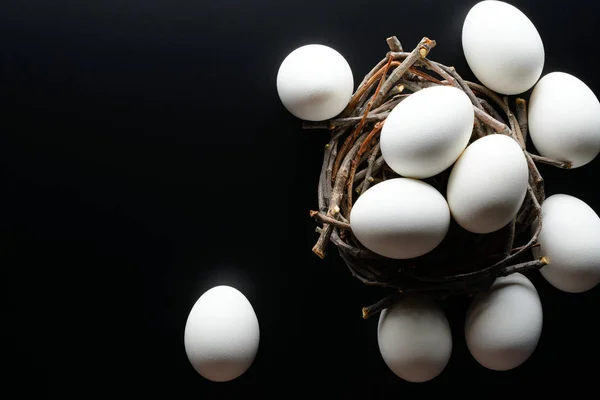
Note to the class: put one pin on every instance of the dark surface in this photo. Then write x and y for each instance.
(145, 157)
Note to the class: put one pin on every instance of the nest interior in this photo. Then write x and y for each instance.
(463, 263)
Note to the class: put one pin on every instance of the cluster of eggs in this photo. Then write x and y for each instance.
(401, 218)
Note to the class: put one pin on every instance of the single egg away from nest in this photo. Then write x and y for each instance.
(487, 184)
(564, 119)
(502, 47)
(503, 325)
(414, 338)
(570, 239)
(425, 133)
(222, 334)
(315, 82)
(400, 218)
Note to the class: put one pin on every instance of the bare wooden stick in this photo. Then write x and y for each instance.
(328, 220)
(369, 171)
(550, 161)
(361, 95)
(536, 180)
(350, 139)
(342, 122)
(381, 305)
(336, 198)
(419, 52)
(521, 106)
(379, 162)
(514, 125)
(347, 204)
(491, 122)
(492, 111)
(394, 44)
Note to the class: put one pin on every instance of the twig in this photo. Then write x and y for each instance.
(360, 95)
(536, 179)
(524, 267)
(521, 106)
(419, 52)
(328, 220)
(489, 94)
(376, 167)
(491, 122)
(336, 198)
(369, 171)
(441, 72)
(413, 86)
(474, 99)
(426, 76)
(396, 53)
(508, 248)
(550, 161)
(491, 110)
(514, 125)
(381, 305)
(350, 139)
(394, 44)
(352, 250)
(324, 188)
(392, 102)
(363, 148)
(519, 248)
(343, 122)
(367, 77)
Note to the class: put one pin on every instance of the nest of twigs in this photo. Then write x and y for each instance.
(464, 263)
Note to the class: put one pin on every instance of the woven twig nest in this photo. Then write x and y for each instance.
(463, 263)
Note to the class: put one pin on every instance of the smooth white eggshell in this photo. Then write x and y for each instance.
(564, 119)
(502, 47)
(414, 339)
(503, 326)
(400, 218)
(222, 334)
(425, 133)
(570, 238)
(315, 82)
(487, 184)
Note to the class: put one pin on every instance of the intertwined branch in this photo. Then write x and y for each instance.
(464, 263)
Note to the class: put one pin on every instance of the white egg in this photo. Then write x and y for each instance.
(564, 119)
(503, 326)
(487, 184)
(222, 334)
(414, 338)
(400, 218)
(424, 134)
(570, 238)
(502, 47)
(315, 82)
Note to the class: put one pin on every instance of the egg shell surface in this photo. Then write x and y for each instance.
(414, 338)
(426, 132)
(222, 334)
(503, 326)
(315, 82)
(564, 119)
(570, 238)
(502, 46)
(487, 184)
(400, 218)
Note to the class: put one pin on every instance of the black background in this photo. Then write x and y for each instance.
(145, 157)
